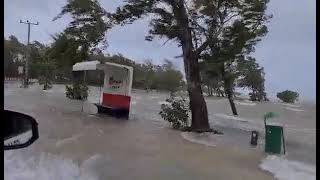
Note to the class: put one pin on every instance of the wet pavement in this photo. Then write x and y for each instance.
(143, 147)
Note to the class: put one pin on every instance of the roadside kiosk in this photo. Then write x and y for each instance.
(116, 91)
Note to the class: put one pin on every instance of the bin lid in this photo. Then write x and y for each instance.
(275, 124)
(269, 115)
(270, 120)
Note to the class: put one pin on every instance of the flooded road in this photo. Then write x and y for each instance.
(83, 145)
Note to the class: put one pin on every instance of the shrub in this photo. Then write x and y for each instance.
(176, 112)
(77, 91)
(46, 82)
(288, 96)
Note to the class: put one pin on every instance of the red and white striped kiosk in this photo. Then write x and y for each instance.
(116, 91)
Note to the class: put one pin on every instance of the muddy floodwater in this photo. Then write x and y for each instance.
(83, 145)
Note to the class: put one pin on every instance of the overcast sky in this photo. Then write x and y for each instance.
(288, 52)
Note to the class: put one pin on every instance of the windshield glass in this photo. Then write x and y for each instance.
(157, 89)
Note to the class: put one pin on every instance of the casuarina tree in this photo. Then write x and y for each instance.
(241, 25)
(84, 33)
(195, 25)
(171, 19)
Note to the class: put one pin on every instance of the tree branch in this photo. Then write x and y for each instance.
(229, 18)
(166, 42)
(204, 45)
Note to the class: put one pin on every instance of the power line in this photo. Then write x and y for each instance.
(26, 79)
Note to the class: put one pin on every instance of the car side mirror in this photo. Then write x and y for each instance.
(20, 130)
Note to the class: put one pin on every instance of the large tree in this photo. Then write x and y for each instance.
(241, 25)
(84, 33)
(45, 69)
(196, 25)
(37, 51)
(171, 19)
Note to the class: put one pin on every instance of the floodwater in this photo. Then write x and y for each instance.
(82, 145)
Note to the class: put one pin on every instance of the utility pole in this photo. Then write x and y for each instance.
(26, 79)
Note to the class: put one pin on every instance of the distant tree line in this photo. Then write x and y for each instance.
(246, 73)
(53, 63)
(59, 57)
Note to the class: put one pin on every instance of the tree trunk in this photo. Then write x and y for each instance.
(219, 92)
(199, 122)
(228, 90)
(209, 90)
(230, 98)
(198, 107)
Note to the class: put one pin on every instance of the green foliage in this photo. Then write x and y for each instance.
(81, 38)
(87, 28)
(54, 63)
(240, 25)
(64, 50)
(252, 78)
(288, 96)
(37, 57)
(145, 75)
(77, 91)
(166, 77)
(45, 70)
(212, 77)
(208, 19)
(14, 55)
(176, 112)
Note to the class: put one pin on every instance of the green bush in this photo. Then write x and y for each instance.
(77, 91)
(288, 96)
(176, 112)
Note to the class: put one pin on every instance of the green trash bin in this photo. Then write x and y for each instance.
(274, 138)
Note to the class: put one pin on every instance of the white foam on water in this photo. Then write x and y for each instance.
(47, 91)
(303, 130)
(163, 102)
(225, 116)
(207, 139)
(284, 169)
(89, 167)
(24, 165)
(294, 109)
(237, 122)
(68, 140)
(101, 131)
(290, 105)
(136, 97)
(247, 103)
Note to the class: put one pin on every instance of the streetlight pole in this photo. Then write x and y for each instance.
(28, 53)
